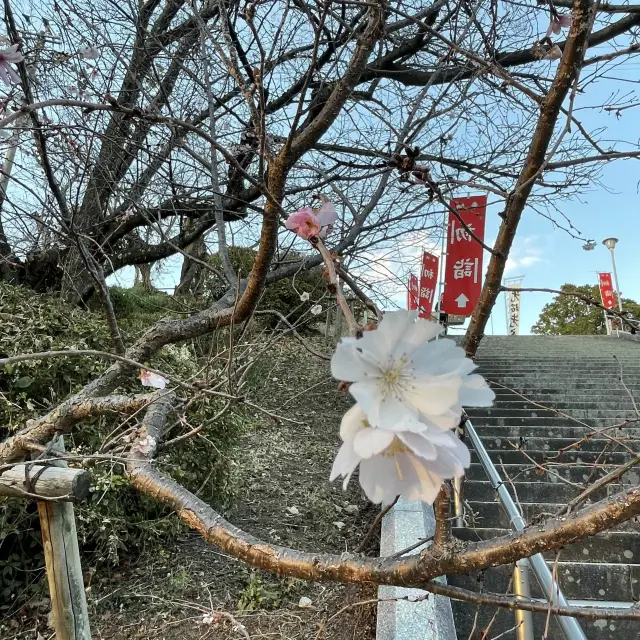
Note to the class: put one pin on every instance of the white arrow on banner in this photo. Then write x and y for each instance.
(462, 300)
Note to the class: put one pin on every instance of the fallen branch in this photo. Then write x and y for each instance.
(61, 419)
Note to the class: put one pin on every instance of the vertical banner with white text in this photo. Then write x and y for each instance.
(428, 281)
(463, 272)
(606, 291)
(513, 299)
(412, 293)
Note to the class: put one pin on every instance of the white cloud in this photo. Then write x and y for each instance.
(525, 253)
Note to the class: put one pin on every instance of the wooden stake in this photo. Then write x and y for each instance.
(64, 572)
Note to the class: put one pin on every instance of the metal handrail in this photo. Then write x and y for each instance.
(538, 564)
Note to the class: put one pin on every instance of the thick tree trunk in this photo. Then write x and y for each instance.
(191, 274)
(143, 276)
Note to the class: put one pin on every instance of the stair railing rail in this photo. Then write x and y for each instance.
(537, 563)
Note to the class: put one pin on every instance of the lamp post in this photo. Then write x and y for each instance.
(610, 243)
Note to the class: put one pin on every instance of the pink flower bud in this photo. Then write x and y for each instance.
(304, 223)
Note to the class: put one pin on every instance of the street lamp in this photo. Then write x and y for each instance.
(610, 243)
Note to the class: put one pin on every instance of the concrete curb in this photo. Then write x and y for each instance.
(430, 619)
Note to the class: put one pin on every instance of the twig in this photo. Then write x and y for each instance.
(64, 353)
(360, 548)
(354, 327)
(359, 292)
(605, 480)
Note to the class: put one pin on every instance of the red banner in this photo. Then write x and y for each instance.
(412, 293)
(606, 291)
(463, 273)
(428, 280)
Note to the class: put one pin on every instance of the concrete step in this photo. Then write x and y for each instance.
(501, 411)
(577, 580)
(538, 492)
(580, 377)
(577, 474)
(554, 445)
(545, 422)
(586, 401)
(609, 547)
(491, 515)
(539, 394)
(562, 400)
(576, 431)
(565, 405)
(568, 457)
(563, 382)
(470, 618)
(585, 368)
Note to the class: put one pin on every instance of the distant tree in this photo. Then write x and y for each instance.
(568, 315)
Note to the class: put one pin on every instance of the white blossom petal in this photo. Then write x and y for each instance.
(428, 483)
(394, 414)
(370, 442)
(475, 392)
(393, 327)
(350, 363)
(367, 395)
(379, 479)
(353, 421)
(154, 380)
(417, 334)
(419, 444)
(433, 397)
(345, 463)
(327, 214)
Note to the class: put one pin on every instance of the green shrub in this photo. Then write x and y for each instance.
(116, 520)
(282, 296)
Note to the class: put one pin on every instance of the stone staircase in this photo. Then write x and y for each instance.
(552, 391)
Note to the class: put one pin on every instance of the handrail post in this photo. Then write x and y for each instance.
(458, 511)
(522, 589)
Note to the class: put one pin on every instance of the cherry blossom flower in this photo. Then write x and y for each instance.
(304, 297)
(326, 215)
(404, 380)
(304, 222)
(309, 223)
(401, 462)
(10, 56)
(90, 53)
(316, 309)
(145, 445)
(558, 22)
(154, 380)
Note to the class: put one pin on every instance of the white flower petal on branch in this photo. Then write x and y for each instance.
(316, 310)
(404, 380)
(304, 297)
(154, 380)
(145, 445)
(10, 56)
(394, 463)
(327, 214)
